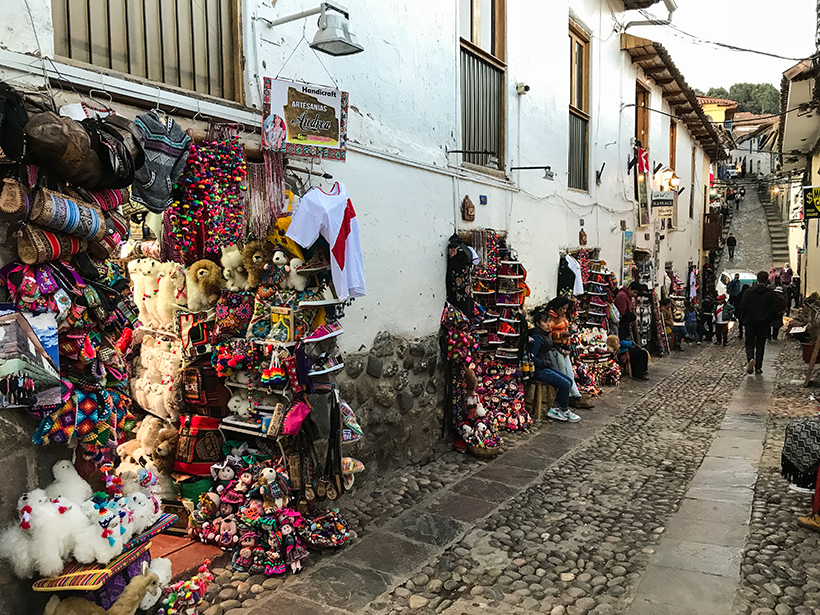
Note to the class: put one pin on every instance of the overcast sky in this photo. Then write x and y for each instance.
(785, 27)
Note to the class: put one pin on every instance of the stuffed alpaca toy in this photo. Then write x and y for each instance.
(166, 295)
(256, 257)
(160, 566)
(100, 540)
(203, 283)
(68, 484)
(148, 433)
(150, 270)
(296, 281)
(239, 404)
(138, 284)
(165, 451)
(178, 276)
(236, 277)
(128, 602)
(143, 511)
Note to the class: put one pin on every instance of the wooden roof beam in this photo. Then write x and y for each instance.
(654, 70)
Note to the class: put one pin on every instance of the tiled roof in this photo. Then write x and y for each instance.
(656, 64)
(753, 119)
(723, 102)
(639, 4)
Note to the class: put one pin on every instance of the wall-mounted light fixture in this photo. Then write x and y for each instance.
(548, 172)
(333, 36)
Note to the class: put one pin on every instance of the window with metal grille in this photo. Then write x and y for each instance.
(189, 44)
(482, 27)
(578, 177)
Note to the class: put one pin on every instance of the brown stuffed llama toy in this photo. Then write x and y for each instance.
(203, 282)
(257, 257)
(126, 604)
(166, 449)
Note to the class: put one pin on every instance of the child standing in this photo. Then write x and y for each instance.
(690, 318)
(721, 317)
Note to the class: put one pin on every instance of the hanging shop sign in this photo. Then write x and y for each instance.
(304, 119)
(811, 202)
(663, 203)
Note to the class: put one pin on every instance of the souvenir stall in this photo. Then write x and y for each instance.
(483, 337)
(68, 323)
(584, 276)
(193, 365)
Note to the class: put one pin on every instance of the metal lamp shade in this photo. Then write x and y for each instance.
(334, 36)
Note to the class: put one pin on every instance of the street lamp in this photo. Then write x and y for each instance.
(333, 36)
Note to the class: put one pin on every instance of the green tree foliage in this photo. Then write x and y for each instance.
(753, 97)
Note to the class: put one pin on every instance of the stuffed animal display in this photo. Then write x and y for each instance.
(53, 528)
(138, 589)
(153, 386)
(203, 282)
(159, 290)
(233, 269)
(257, 257)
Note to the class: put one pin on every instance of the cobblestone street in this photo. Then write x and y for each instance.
(657, 503)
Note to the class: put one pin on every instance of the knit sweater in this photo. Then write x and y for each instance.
(166, 149)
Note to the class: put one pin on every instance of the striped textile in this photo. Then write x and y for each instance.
(89, 576)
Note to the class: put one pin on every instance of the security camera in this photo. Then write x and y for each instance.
(522, 88)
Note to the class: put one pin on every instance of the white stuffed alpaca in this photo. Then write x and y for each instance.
(148, 433)
(138, 285)
(238, 404)
(166, 295)
(150, 271)
(180, 294)
(154, 399)
(68, 483)
(171, 409)
(100, 540)
(236, 278)
(295, 280)
(143, 511)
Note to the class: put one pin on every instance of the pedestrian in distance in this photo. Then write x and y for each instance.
(540, 345)
(777, 319)
(737, 201)
(690, 318)
(742, 192)
(786, 275)
(757, 308)
(731, 243)
(722, 317)
(733, 290)
(707, 307)
(773, 276)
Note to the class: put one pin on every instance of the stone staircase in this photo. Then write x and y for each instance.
(777, 231)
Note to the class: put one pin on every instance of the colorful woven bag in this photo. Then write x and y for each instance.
(59, 212)
(36, 245)
(233, 313)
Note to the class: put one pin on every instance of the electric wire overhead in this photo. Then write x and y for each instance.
(719, 44)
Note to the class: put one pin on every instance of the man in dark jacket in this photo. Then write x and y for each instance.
(731, 243)
(757, 308)
(540, 343)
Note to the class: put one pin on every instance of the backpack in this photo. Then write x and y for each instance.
(13, 119)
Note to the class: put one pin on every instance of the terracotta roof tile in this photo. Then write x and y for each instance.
(723, 102)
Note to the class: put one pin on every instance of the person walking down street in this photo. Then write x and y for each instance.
(690, 318)
(772, 276)
(737, 201)
(731, 243)
(559, 354)
(706, 310)
(540, 345)
(757, 307)
(733, 290)
(786, 275)
(739, 312)
(742, 192)
(722, 317)
(780, 309)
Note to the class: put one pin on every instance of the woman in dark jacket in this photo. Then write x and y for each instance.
(540, 343)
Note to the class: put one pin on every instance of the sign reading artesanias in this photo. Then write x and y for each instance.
(304, 119)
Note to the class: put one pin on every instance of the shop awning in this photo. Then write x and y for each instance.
(800, 130)
(657, 64)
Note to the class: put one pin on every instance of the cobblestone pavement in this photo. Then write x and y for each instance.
(564, 522)
(754, 248)
(780, 570)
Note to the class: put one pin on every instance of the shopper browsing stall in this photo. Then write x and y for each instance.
(724, 312)
(540, 345)
(669, 320)
(560, 353)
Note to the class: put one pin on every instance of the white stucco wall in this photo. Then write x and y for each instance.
(404, 114)
(26, 27)
(749, 149)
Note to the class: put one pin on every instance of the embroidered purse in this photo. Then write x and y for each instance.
(36, 245)
(233, 313)
(15, 199)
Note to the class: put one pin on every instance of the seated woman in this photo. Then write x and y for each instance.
(668, 313)
(540, 343)
(559, 355)
(638, 357)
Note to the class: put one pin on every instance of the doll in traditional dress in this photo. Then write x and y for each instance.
(260, 558)
(291, 545)
(243, 557)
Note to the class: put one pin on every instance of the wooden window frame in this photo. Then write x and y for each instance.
(498, 45)
(578, 35)
(642, 115)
